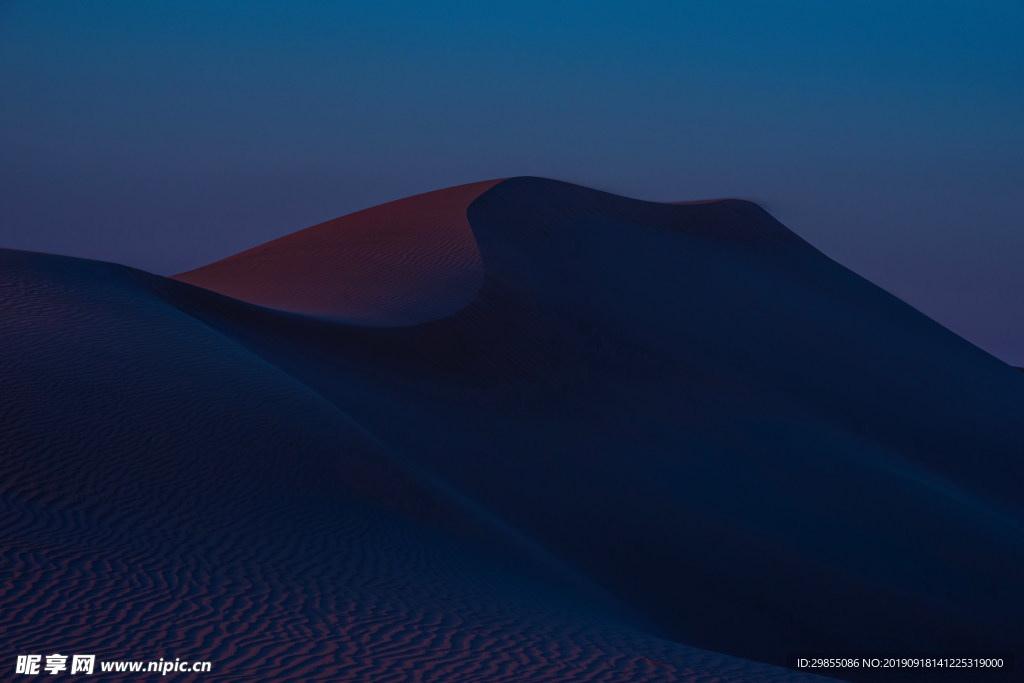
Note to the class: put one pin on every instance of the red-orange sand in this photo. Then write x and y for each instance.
(403, 262)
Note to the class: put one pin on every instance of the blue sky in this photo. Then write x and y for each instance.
(167, 134)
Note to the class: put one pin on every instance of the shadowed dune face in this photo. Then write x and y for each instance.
(645, 434)
(400, 263)
(170, 491)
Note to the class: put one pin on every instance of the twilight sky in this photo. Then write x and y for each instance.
(889, 134)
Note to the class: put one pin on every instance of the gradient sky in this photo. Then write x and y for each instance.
(889, 134)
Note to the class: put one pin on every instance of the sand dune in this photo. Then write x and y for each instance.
(404, 262)
(530, 432)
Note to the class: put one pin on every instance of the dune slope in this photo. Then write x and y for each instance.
(621, 438)
(403, 262)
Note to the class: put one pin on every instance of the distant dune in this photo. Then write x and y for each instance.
(404, 262)
(516, 430)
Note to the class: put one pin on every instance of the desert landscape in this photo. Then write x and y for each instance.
(516, 430)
